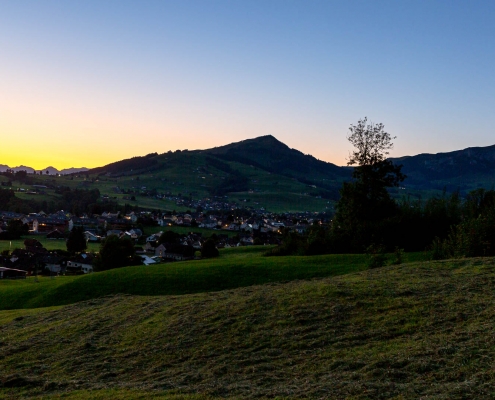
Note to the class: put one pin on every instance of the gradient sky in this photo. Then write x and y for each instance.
(85, 83)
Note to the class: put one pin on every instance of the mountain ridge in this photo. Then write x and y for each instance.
(229, 169)
(50, 169)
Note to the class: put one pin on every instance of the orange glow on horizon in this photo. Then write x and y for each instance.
(40, 134)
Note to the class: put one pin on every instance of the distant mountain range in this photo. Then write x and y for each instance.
(51, 170)
(462, 170)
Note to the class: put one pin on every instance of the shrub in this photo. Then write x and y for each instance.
(376, 256)
(398, 256)
(209, 249)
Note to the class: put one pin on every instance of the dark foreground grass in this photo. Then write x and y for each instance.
(235, 268)
(424, 330)
(114, 394)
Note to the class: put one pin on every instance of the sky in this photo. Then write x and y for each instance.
(86, 83)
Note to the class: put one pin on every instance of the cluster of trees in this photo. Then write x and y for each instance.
(116, 252)
(76, 201)
(15, 229)
(474, 235)
(367, 217)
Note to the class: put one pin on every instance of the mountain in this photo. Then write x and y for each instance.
(264, 152)
(263, 165)
(266, 173)
(270, 154)
(4, 168)
(462, 170)
(73, 170)
(232, 168)
(51, 170)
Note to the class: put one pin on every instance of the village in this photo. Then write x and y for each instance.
(145, 229)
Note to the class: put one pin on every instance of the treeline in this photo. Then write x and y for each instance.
(447, 226)
(368, 220)
(75, 201)
(135, 164)
(235, 182)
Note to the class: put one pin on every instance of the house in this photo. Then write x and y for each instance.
(54, 263)
(81, 264)
(91, 237)
(248, 240)
(175, 252)
(110, 215)
(179, 253)
(45, 225)
(153, 238)
(300, 228)
(147, 260)
(233, 227)
(209, 224)
(135, 233)
(55, 234)
(166, 222)
(132, 217)
(116, 232)
(149, 248)
(11, 273)
(197, 244)
(86, 223)
(246, 227)
(160, 251)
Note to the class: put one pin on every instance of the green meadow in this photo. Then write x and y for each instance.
(49, 244)
(417, 330)
(236, 267)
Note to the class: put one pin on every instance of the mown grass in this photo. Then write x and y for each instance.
(185, 230)
(420, 330)
(115, 394)
(49, 244)
(236, 267)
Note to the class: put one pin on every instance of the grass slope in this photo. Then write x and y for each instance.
(49, 244)
(190, 173)
(234, 268)
(421, 330)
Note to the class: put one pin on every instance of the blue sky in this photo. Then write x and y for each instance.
(125, 78)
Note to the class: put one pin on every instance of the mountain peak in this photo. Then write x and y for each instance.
(267, 142)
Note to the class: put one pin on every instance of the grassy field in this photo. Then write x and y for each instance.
(184, 230)
(420, 330)
(59, 244)
(49, 244)
(236, 267)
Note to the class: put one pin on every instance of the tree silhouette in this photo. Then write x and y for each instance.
(365, 204)
(76, 242)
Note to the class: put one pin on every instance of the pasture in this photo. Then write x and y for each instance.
(418, 330)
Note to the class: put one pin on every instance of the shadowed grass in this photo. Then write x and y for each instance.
(121, 394)
(49, 244)
(234, 268)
